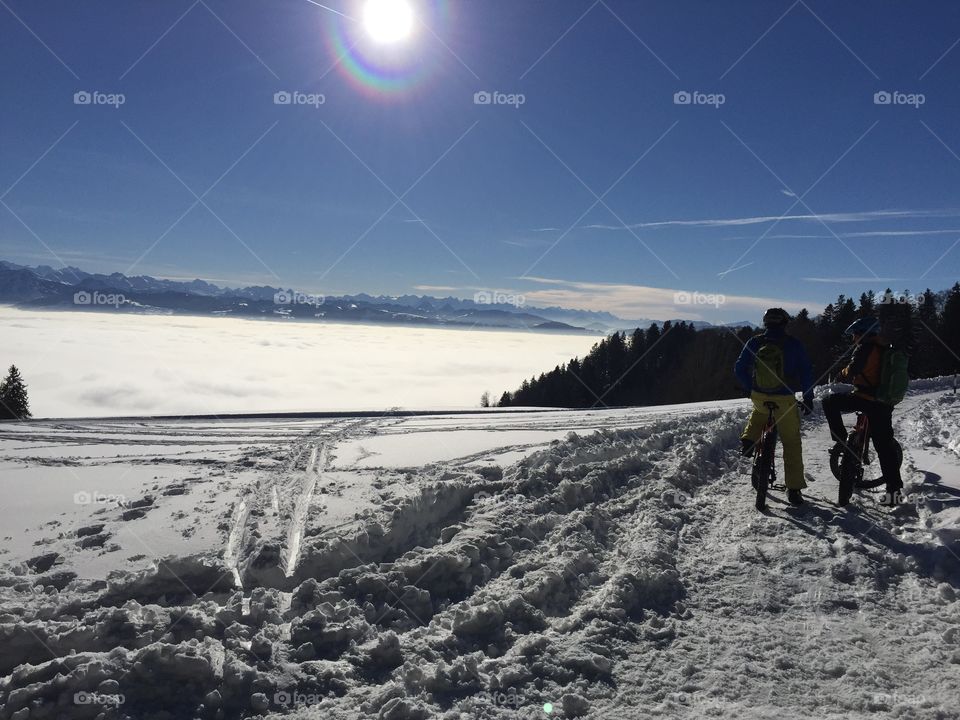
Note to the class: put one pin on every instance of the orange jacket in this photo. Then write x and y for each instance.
(864, 368)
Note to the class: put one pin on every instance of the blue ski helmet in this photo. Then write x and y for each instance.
(864, 326)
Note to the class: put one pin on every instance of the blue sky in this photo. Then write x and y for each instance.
(599, 191)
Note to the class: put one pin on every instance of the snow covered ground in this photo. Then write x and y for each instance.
(604, 563)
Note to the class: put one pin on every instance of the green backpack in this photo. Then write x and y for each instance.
(894, 379)
(768, 372)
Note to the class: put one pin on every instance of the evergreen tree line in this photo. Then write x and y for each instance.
(676, 363)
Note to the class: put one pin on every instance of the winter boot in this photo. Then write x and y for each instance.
(795, 496)
(846, 492)
(893, 496)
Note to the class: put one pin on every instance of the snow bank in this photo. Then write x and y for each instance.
(615, 573)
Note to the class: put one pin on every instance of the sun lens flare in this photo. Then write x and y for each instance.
(385, 49)
(388, 21)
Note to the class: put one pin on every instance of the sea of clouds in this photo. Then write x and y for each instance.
(104, 364)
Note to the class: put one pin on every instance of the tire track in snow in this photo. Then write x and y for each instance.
(231, 555)
(276, 510)
(791, 611)
(318, 458)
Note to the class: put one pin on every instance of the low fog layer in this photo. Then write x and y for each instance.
(93, 364)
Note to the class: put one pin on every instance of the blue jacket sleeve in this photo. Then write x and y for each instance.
(744, 366)
(803, 369)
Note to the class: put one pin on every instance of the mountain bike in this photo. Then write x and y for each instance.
(847, 466)
(764, 472)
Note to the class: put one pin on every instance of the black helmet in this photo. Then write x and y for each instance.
(864, 326)
(775, 317)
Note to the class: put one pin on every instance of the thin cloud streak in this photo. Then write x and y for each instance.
(641, 301)
(854, 279)
(867, 216)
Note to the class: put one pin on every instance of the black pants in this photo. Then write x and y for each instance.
(880, 416)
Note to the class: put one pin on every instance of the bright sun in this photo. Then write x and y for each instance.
(388, 21)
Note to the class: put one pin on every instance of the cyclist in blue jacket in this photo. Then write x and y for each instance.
(774, 366)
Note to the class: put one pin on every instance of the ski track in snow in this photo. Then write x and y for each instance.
(597, 564)
(231, 554)
(299, 520)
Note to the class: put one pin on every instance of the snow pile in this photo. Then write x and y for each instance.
(614, 573)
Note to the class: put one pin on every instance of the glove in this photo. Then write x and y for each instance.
(807, 405)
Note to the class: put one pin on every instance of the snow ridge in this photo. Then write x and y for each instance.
(616, 573)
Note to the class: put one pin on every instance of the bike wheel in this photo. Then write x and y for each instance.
(762, 467)
(851, 470)
(835, 461)
(771, 449)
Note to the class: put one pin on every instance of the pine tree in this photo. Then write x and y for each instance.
(950, 329)
(615, 366)
(13, 396)
(675, 363)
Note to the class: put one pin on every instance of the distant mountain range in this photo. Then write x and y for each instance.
(70, 288)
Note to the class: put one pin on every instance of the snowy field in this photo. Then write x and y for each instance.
(80, 364)
(604, 563)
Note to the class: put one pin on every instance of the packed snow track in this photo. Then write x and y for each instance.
(603, 563)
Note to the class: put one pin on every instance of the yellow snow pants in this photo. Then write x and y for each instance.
(787, 417)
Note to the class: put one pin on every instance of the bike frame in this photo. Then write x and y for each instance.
(764, 472)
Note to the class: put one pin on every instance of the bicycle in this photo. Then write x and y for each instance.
(847, 467)
(764, 473)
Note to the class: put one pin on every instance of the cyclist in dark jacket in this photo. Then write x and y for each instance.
(797, 376)
(863, 373)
